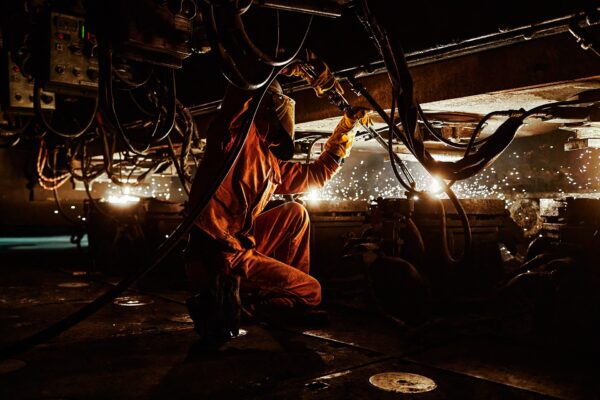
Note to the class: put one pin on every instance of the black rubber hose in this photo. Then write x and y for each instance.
(391, 149)
(165, 248)
(171, 111)
(229, 67)
(242, 35)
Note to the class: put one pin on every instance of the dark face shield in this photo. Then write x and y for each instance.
(281, 108)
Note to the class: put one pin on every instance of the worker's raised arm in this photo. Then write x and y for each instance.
(299, 177)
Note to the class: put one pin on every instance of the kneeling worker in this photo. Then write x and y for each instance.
(235, 243)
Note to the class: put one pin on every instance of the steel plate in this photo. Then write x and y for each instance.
(402, 382)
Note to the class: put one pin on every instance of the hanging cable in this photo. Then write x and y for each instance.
(164, 249)
(180, 173)
(37, 104)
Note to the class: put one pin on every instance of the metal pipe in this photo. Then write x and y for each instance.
(314, 7)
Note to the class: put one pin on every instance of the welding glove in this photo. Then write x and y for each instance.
(316, 73)
(341, 140)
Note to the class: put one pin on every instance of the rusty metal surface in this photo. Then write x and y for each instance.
(479, 207)
(531, 64)
(337, 206)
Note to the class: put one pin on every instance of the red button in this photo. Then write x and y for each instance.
(16, 68)
(60, 36)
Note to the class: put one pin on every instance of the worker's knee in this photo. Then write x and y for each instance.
(312, 295)
(298, 213)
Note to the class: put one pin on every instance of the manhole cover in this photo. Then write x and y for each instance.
(182, 318)
(132, 301)
(73, 284)
(402, 382)
(9, 365)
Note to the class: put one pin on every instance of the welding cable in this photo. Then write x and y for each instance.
(72, 156)
(240, 35)
(481, 124)
(137, 104)
(450, 193)
(446, 253)
(180, 173)
(163, 250)
(131, 84)
(93, 201)
(458, 170)
(108, 149)
(15, 142)
(59, 206)
(190, 133)
(14, 133)
(410, 223)
(37, 104)
(171, 111)
(105, 82)
(461, 169)
(229, 67)
(392, 154)
(440, 137)
(40, 165)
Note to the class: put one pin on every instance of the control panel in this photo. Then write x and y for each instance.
(73, 65)
(18, 95)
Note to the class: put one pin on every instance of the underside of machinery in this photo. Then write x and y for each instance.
(458, 240)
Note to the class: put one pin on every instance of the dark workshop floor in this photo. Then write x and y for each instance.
(149, 351)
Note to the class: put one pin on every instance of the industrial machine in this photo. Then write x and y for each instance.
(100, 99)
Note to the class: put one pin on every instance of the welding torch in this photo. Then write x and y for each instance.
(336, 98)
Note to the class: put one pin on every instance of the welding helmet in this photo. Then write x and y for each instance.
(280, 135)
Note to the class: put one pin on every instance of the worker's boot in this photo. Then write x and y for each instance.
(216, 310)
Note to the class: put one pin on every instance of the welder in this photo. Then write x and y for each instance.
(234, 243)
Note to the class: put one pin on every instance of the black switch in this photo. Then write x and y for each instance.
(92, 73)
(75, 49)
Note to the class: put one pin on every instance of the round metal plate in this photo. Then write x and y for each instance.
(132, 301)
(9, 365)
(73, 284)
(182, 318)
(242, 332)
(402, 382)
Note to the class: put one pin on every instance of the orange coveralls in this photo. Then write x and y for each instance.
(270, 250)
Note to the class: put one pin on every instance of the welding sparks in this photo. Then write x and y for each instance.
(436, 186)
(531, 169)
(122, 199)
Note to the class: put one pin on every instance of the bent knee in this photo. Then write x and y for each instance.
(312, 293)
(297, 211)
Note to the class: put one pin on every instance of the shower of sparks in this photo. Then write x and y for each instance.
(522, 172)
(161, 188)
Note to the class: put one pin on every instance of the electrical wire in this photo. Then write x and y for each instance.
(168, 245)
(107, 85)
(164, 249)
(242, 36)
(230, 67)
(37, 105)
(180, 173)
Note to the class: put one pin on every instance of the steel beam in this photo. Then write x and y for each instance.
(533, 63)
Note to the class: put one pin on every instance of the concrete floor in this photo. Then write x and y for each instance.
(150, 351)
